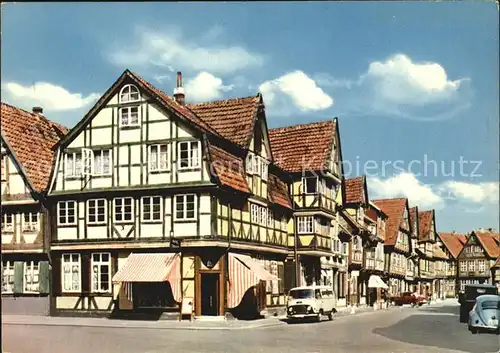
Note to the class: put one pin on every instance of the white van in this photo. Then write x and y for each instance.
(310, 301)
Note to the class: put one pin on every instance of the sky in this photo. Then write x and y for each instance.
(414, 85)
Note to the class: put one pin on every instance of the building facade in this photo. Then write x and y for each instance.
(426, 241)
(451, 244)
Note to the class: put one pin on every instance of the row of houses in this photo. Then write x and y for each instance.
(148, 203)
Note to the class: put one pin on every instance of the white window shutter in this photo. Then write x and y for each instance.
(249, 163)
(87, 161)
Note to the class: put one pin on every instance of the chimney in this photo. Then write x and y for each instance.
(179, 90)
(37, 110)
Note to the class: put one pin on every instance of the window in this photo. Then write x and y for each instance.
(309, 185)
(87, 161)
(129, 116)
(463, 266)
(8, 222)
(151, 208)
(96, 211)
(471, 265)
(283, 224)
(66, 213)
(322, 187)
(102, 162)
(7, 277)
(30, 222)
(263, 216)
(101, 272)
(305, 224)
(189, 154)
(264, 168)
(3, 167)
(250, 163)
(185, 207)
(481, 266)
(124, 209)
(129, 93)
(31, 278)
(254, 213)
(73, 164)
(158, 158)
(270, 219)
(71, 272)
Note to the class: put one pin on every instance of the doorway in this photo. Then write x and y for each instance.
(210, 294)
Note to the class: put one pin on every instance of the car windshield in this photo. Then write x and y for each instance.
(301, 293)
(490, 304)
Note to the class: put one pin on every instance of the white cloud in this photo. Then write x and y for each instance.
(486, 192)
(161, 78)
(205, 87)
(399, 80)
(300, 88)
(47, 95)
(171, 49)
(405, 185)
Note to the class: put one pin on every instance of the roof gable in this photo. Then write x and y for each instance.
(414, 221)
(452, 242)
(164, 101)
(304, 146)
(233, 119)
(30, 138)
(490, 243)
(426, 226)
(394, 209)
(356, 190)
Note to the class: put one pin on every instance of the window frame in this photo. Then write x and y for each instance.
(270, 219)
(184, 207)
(249, 166)
(129, 123)
(100, 263)
(96, 206)
(72, 263)
(10, 229)
(35, 227)
(3, 167)
(190, 159)
(304, 185)
(158, 146)
(263, 216)
(254, 213)
(96, 154)
(303, 224)
(264, 169)
(75, 162)
(129, 86)
(132, 213)
(30, 266)
(66, 213)
(151, 212)
(8, 265)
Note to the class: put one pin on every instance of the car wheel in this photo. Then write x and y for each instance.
(318, 318)
(473, 330)
(330, 316)
(413, 305)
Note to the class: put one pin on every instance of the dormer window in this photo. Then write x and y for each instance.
(129, 93)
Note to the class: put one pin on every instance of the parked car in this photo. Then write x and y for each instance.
(485, 315)
(467, 300)
(408, 298)
(310, 302)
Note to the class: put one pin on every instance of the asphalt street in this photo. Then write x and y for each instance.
(407, 330)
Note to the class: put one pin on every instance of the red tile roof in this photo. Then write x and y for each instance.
(453, 242)
(31, 138)
(355, 190)
(299, 147)
(228, 168)
(232, 118)
(424, 225)
(278, 192)
(490, 243)
(394, 209)
(413, 215)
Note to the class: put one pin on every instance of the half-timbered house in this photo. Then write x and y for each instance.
(366, 255)
(157, 203)
(311, 154)
(397, 245)
(26, 162)
(451, 244)
(413, 266)
(426, 241)
(478, 259)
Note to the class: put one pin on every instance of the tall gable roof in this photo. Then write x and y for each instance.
(232, 118)
(278, 192)
(453, 242)
(303, 146)
(355, 190)
(424, 225)
(490, 243)
(394, 209)
(31, 138)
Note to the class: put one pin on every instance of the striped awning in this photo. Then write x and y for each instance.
(244, 273)
(157, 267)
(376, 282)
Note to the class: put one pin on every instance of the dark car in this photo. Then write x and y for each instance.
(467, 299)
(485, 315)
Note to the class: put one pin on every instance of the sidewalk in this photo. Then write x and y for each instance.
(170, 324)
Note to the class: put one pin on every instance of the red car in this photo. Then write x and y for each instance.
(412, 299)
